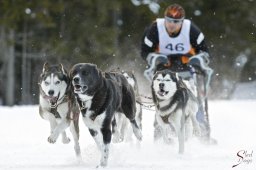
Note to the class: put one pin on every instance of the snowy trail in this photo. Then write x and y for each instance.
(24, 145)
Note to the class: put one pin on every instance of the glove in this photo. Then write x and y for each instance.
(206, 57)
(156, 59)
(153, 60)
(200, 59)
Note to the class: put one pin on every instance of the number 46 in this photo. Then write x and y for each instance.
(177, 47)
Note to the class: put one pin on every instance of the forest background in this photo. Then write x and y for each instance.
(108, 33)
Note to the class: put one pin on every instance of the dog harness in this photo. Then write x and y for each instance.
(84, 109)
(54, 106)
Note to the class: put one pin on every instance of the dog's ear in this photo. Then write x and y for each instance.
(46, 66)
(155, 74)
(62, 69)
(101, 74)
(63, 73)
(70, 73)
(133, 76)
(174, 76)
(177, 76)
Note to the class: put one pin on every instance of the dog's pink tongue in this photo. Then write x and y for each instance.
(53, 100)
(161, 93)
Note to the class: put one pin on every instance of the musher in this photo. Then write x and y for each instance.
(176, 43)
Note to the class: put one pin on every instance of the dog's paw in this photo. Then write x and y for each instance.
(208, 141)
(121, 137)
(168, 140)
(51, 139)
(197, 133)
(138, 134)
(157, 133)
(77, 150)
(101, 165)
(79, 159)
(65, 140)
(116, 139)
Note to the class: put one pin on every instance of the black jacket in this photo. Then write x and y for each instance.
(151, 33)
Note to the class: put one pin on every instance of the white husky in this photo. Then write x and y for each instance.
(57, 105)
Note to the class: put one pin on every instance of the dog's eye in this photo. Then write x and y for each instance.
(46, 83)
(158, 79)
(168, 80)
(57, 82)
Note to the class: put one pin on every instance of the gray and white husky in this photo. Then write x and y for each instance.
(58, 105)
(176, 106)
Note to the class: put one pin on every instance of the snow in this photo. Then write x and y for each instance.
(24, 145)
(246, 90)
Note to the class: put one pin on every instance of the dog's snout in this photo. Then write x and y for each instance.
(50, 92)
(76, 80)
(161, 85)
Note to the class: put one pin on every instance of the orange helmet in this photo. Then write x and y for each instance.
(175, 11)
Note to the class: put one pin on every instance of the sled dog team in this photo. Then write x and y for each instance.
(106, 103)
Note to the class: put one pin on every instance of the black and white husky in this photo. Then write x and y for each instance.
(57, 105)
(175, 106)
(123, 130)
(101, 95)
